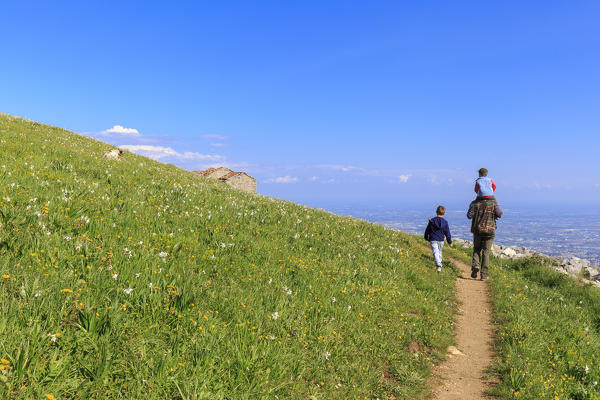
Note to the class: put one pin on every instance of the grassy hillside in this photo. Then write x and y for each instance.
(548, 332)
(549, 336)
(135, 279)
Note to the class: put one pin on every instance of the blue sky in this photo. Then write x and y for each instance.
(325, 101)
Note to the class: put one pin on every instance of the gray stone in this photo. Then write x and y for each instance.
(453, 350)
(509, 252)
(113, 154)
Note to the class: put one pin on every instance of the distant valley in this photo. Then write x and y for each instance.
(553, 231)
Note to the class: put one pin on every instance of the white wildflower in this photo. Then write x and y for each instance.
(333, 299)
(128, 290)
(115, 276)
(275, 315)
(137, 275)
(327, 355)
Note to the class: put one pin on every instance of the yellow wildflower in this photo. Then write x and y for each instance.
(5, 364)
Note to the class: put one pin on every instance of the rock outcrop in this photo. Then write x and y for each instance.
(238, 180)
(573, 266)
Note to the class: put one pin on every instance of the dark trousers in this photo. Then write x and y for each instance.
(482, 247)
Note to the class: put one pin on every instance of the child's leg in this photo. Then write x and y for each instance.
(436, 249)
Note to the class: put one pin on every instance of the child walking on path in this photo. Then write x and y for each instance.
(436, 230)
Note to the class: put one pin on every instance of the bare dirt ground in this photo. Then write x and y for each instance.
(463, 375)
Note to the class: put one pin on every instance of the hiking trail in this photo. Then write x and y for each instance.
(463, 374)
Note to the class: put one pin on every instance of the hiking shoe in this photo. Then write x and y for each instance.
(483, 278)
(439, 269)
(474, 273)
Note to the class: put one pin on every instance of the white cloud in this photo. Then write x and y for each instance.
(434, 179)
(403, 178)
(314, 179)
(213, 137)
(119, 129)
(283, 179)
(218, 144)
(343, 168)
(161, 152)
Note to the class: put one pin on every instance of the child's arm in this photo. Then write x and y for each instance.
(476, 187)
(427, 231)
(493, 185)
(447, 233)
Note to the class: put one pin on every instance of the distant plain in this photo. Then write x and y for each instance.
(555, 230)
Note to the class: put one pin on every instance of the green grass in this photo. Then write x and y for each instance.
(548, 332)
(135, 279)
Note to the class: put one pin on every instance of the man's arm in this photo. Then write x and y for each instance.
(471, 211)
(498, 213)
(476, 187)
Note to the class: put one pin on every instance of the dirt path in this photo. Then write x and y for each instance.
(462, 376)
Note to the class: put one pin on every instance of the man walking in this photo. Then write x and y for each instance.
(483, 213)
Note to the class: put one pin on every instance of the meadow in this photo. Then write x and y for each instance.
(547, 332)
(134, 279)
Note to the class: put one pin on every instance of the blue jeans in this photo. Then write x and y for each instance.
(436, 248)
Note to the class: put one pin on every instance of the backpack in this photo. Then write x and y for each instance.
(484, 221)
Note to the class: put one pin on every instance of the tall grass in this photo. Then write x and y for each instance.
(547, 332)
(135, 279)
